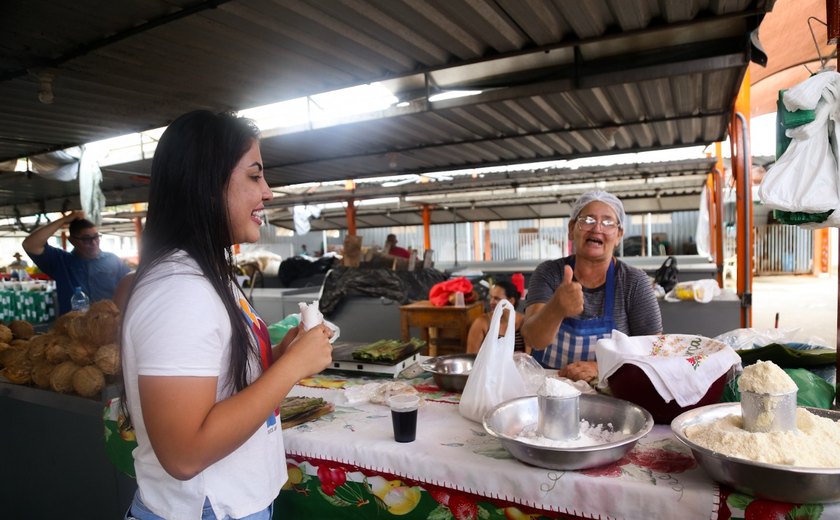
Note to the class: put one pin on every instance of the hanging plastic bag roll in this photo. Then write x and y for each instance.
(494, 377)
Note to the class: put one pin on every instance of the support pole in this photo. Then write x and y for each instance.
(427, 227)
(718, 180)
(742, 171)
(138, 233)
(351, 216)
(488, 248)
(832, 14)
(478, 238)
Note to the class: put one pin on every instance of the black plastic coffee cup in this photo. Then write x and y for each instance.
(404, 416)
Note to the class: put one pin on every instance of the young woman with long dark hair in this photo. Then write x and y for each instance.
(203, 382)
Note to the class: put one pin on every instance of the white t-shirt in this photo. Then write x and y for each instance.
(176, 325)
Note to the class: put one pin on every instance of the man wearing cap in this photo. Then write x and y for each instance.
(577, 300)
(19, 263)
(87, 266)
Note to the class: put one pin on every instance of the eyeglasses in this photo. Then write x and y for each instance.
(608, 225)
(89, 239)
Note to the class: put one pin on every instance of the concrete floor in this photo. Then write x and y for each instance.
(806, 302)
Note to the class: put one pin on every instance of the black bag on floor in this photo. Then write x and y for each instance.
(666, 275)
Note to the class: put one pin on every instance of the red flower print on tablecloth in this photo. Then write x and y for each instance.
(663, 461)
(654, 459)
(610, 470)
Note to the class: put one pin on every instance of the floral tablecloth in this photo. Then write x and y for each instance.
(658, 477)
(347, 465)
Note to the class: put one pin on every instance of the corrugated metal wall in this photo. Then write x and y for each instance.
(534, 239)
(780, 248)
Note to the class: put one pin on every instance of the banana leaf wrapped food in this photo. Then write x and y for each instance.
(387, 350)
(298, 410)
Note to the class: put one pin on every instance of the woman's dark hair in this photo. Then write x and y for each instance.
(510, 290)
(187, 210)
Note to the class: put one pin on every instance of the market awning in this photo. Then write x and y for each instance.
(558, 79)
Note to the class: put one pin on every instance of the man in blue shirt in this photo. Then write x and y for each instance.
(88, 267)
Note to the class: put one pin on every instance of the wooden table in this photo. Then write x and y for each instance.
(433, 320)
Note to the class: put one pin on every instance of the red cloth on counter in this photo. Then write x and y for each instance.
(439, 293)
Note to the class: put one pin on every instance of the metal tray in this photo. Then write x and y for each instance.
(770, 481)
(507, 420)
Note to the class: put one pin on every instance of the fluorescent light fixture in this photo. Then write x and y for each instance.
(453, 94)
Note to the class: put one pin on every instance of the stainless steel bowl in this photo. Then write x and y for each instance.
(770, 481)
(450, 372)
(507, 420)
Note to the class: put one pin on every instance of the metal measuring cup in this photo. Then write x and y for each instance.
(559, 417)
(768, 412)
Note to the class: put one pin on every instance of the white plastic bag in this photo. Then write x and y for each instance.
(494, 377)
(805, 177)
(701, 291)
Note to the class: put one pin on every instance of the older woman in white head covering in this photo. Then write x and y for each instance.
(577, 300)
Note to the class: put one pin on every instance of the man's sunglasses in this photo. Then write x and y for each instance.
(90, 239)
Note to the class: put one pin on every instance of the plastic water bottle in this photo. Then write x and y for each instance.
(79, 301)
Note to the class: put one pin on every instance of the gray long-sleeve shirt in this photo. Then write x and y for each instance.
(636, 311)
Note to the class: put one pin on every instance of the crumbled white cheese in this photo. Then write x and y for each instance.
(815, 444)
(590, 435)
(552, 387)
(765, 377)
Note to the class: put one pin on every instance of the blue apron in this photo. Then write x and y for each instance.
(576, 337)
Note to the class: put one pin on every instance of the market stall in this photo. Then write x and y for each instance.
(346, 464)
(55, 463)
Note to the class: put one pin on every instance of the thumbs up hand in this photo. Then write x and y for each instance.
(569, 295)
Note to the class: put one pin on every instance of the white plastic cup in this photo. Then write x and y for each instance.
(404, 416)
(459, 299)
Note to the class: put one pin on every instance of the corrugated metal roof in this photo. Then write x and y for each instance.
(560, 78)
(545, 193)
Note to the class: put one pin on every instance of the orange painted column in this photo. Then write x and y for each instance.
(718, 180)
(427, 227)
(709, 189)
(742, 172)
(832, 14)
(351, 216)
(476, 250)
(488, 249)
(822, 246)
(138, 233)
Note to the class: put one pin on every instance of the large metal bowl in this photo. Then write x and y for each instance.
(450, 372)
(769, 481)
(507, 420)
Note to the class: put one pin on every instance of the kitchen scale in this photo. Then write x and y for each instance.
(343, 361)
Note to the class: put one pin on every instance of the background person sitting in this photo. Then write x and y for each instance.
(502, 290)
(391, 247)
